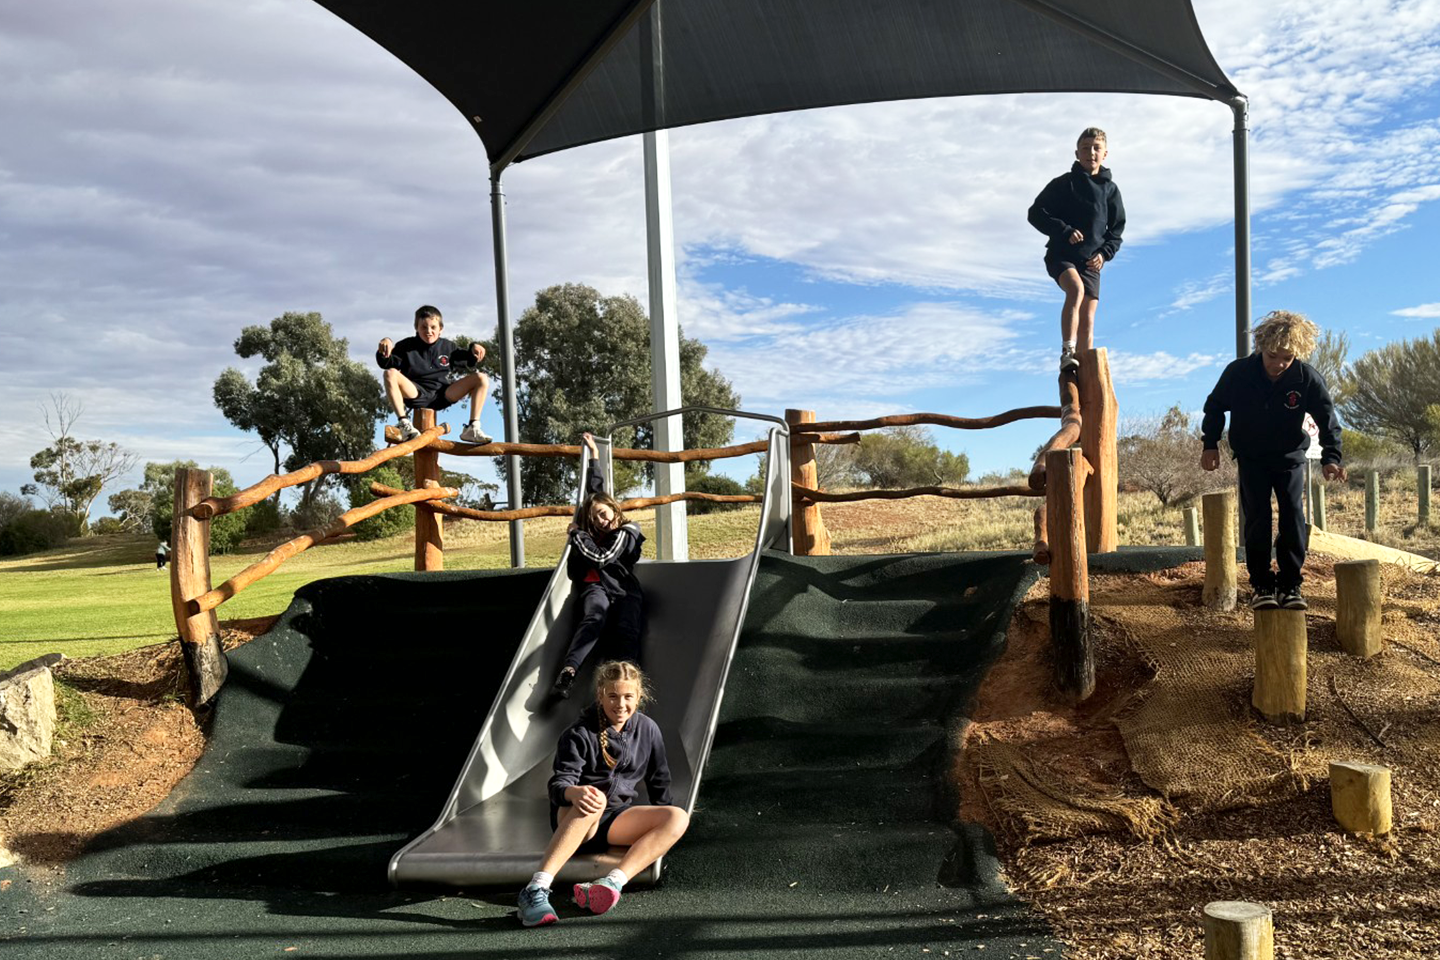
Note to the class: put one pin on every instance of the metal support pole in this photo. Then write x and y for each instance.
(671, 529)
(1241, 108)
(511, 394)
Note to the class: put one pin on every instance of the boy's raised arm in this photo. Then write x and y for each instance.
(385, 354)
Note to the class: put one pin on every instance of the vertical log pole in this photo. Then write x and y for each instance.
(1219, 509)
(1098, 412)
(1065, 472)
(189, 578)
(1372, 500)
(1280, 667)
(1236, 930)
(1317, 503)
(1422, 491)
(809, 537)
(1192, 527)
(1358, 607)
(429, 526)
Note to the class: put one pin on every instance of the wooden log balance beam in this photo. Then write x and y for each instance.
(262, 568)
(501, 449)
(938, 420)
(1066, 472)
(1069, 433)
(531, 513)
(954, 493)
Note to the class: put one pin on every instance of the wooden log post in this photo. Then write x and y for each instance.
(1360, 797)
(429, 525)
(1040, 553)
(1097, 439)
(1236, 930)
(1192, 527)
(1280, 666)
(809, 538)
(205, 663)
(1372, 500)
(1358, 604)
(1317, 503)
(1422, 492)
(1219, 510)
(1065, 476)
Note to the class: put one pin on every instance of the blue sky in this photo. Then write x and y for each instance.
(173, 171)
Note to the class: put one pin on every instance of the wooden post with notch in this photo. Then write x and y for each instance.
(1098, 410)
(809, 538)
(1065, 476)
(205, 662)
(1219, 509)
(429, 526)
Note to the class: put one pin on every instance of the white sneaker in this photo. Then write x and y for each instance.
(407, 430)
(473, 434)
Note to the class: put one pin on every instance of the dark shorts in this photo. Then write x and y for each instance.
(431, 397)
(1089, 278)
(601, 841)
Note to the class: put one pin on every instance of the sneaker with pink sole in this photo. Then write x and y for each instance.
(597, 897)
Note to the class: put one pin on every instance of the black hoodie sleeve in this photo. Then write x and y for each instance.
(1216, 405)
(1114, 225)
(657, 775)
(1322, 409)
(569, 764)
(1042, 212)
(594, 479)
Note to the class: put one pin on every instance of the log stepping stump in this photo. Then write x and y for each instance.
(1236, 930)
(1280, 667)
(1360, 797)
(1219, 511)
(1358, 606)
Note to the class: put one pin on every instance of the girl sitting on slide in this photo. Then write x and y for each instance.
(599, 762)
(604, 549)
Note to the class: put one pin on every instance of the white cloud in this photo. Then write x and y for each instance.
(1425, 311)
(1133, 368)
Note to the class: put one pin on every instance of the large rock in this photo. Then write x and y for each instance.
(27, 712)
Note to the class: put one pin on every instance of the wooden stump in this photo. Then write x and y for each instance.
(1358, 603)
(1280, 665)
(809, 538)
(1360, 797)
(429, 524)
(1219, 509)
(1192, 527)
(1065, 472)
(1236, 930)
(206, 666)
(1098, 441)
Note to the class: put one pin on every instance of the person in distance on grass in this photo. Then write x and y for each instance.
(418, 373)
(1267, 395)
(1082, 214)
(162, 554)
(599, 763)
(604, 548)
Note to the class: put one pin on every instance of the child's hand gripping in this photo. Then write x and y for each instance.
(586, 799)
(386, 345)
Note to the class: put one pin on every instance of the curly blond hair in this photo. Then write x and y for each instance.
(621, 671)
(1281, 330)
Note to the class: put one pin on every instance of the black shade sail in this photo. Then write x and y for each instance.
(536, 76)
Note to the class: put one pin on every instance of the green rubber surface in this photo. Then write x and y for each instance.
(822, 830)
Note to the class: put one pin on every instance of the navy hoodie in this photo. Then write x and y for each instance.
(1078, 201)
(609, 560)
(639, 751)
(1267, 418)
(427, 363)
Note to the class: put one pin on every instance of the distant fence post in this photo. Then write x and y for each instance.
(1372, 500)
(205, 662)
(809, 537)
(1192, 527)
(1065, 483)
(1220, 592)
(429, 526)
(1422, 490)
(1098, 412)
(1317, 503)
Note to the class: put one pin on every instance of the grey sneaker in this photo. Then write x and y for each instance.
(597, 897)
(1068, 361)
(1291, 599)
(473, 434)
(533, 907)
(407, 430)
(1264, 600)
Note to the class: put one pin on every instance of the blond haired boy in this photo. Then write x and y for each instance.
(1267, 395)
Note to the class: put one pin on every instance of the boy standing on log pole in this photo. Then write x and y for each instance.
(1267, 395)
(1082, 214)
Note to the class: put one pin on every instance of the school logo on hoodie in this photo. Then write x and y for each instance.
(444, 361)
(1292, 399)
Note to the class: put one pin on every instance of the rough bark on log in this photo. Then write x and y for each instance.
(1041, 551)
(1066, 472)
(940, 420)
(1067, 436)
(429, 525)
(1098, 440)
(206, 666)
(954, 493)
(808, 536)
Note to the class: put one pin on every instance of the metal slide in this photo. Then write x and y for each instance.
(496, 823)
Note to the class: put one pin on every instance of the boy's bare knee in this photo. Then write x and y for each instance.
(483, 378)
(392, 376)
(677, 820)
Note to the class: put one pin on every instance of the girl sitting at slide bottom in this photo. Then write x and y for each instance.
(599, 763)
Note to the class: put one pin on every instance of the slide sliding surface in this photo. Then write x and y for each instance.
(496, 823)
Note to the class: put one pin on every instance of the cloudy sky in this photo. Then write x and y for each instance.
(171, 171)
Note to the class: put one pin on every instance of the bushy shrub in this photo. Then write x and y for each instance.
(320, 512)
(263, 518)
(107, 526)
(34, 530)
(389, 522)
(717, 484)
(226, 531)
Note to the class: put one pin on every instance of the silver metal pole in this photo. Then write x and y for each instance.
(507, 365)
(1241, 108)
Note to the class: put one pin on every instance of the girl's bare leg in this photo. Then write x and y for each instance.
(649, 832)
(572, 829)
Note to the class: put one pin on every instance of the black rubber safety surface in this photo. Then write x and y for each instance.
(822, 830)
